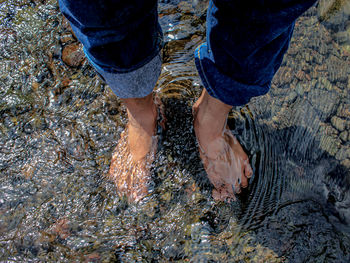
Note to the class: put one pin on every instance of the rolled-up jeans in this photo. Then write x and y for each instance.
(244, 47)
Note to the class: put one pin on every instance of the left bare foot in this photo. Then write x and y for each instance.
(131, 176)
(136, 149)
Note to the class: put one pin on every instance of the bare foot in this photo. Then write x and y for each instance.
(135, 151)
(224, 159)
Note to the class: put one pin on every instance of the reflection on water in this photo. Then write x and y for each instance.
(60, 124)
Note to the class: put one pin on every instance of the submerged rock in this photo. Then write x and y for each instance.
(72, 55)
(324, 101)
(338, 123)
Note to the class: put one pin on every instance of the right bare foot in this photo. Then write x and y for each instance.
(136, 149)
(226, 163)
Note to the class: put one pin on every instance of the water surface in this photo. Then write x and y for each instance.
(60, 124)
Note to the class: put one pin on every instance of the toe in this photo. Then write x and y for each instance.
(237, 188)
(244, 182)
(216, 195)
(248, 171)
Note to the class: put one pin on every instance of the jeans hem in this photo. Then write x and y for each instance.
(136, 84)
(135, 67)
(221, 86)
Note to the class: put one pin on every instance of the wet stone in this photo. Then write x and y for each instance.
(72, 55)
(346, 163)
(67, 38)
(343, 153)
(323, 101)
(330, 144)
(338, 123)
(344, 136)
(299, 89)
(185, 7)
(344, 111)
(292, 96)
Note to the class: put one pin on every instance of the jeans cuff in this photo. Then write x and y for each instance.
(221, 86)
(135, 84)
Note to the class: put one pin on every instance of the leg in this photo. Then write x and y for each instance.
(122, 40)
(246, 41)
(142, 114)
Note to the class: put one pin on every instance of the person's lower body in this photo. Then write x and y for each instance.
(245, 46)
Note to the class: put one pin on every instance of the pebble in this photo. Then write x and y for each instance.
(330, 144)
(67, 38)
(72, 55)
(346, 163)
(185, 7)
(343, 153)
(338, 123)
(299, 89)
(344, 136)
(300, 75)
(292, 96)
(323, 101)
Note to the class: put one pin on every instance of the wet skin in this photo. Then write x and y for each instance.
(135, 151)
(226, 163)
(224, 159)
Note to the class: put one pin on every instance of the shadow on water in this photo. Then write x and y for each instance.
(60, 123)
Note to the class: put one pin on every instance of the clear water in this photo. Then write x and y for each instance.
(60, 124)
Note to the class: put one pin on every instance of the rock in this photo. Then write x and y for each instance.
(346, 163)
(343, 153)
(344, 136)
(72, 55)
(324, 101)
(299, 89)
(326, 84)
(342, 37)
(328, 130)
(343, 110)
(185, 7)
(300, 75)
(67, 38)
(330, 144)
(292, 96)
(338, 123)
(283, 76)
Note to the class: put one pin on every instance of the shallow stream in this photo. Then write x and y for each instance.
(60, 124)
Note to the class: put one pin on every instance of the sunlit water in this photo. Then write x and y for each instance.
(60, 124)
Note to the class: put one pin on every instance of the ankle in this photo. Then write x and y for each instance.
(210, 114)
(145, 120)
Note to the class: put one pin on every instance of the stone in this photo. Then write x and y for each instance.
(344, 136)
(72, 55)
(324, 101)
(185, 7)
(292, 96)
(338, 123)
(328, 130)
(344, 111)
(299, 89)
(326, 84)
(343, 153)
(346, 163)
(67, 38)
(330, 144)
(300, 75)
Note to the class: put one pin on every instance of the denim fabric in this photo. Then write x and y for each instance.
(119, 36)
(136, 84)
(246, 41)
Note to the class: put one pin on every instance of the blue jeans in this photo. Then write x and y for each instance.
(246, 41)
